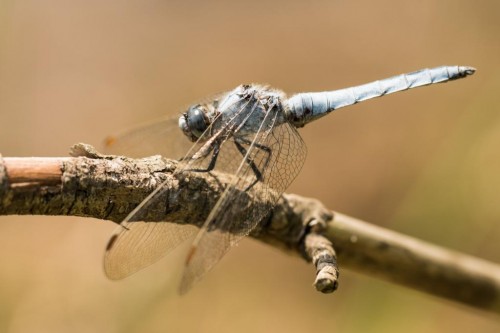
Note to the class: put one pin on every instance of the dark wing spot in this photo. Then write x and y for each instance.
(111, 242)
(190, 255)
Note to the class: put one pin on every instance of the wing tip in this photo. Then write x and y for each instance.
(187, 279)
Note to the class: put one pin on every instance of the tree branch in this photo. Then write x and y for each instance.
(108, 187)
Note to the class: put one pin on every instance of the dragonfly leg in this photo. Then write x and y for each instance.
(265, 149)
(211, 165)
(258, 174)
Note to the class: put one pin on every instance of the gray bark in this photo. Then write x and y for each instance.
(108, 187)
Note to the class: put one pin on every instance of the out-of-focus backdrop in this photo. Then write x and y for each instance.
(424, 162)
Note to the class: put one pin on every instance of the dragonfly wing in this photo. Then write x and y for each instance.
(136, 245)
(161, 137)
(278, 153)
(262, 164)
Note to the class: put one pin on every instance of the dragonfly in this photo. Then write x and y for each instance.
(250, 133)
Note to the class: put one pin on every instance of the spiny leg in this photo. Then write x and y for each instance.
(265, 149)
(258, 174)
(215, 153)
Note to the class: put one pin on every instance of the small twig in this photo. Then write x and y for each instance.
(323, 256)
(108, 187)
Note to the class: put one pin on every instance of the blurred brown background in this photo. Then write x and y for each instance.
(424, 162)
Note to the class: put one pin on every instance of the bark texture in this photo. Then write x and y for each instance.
(109, 187)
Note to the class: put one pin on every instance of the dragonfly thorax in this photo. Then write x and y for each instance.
(247, 106)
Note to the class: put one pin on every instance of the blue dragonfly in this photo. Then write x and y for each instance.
(250, 133)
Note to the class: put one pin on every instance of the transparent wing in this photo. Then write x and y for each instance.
(274, 157)
(263, 164)
(161, 137)
(136, 245)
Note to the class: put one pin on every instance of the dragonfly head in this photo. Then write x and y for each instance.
(194, 122)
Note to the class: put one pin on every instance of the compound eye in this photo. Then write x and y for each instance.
(197, 120)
